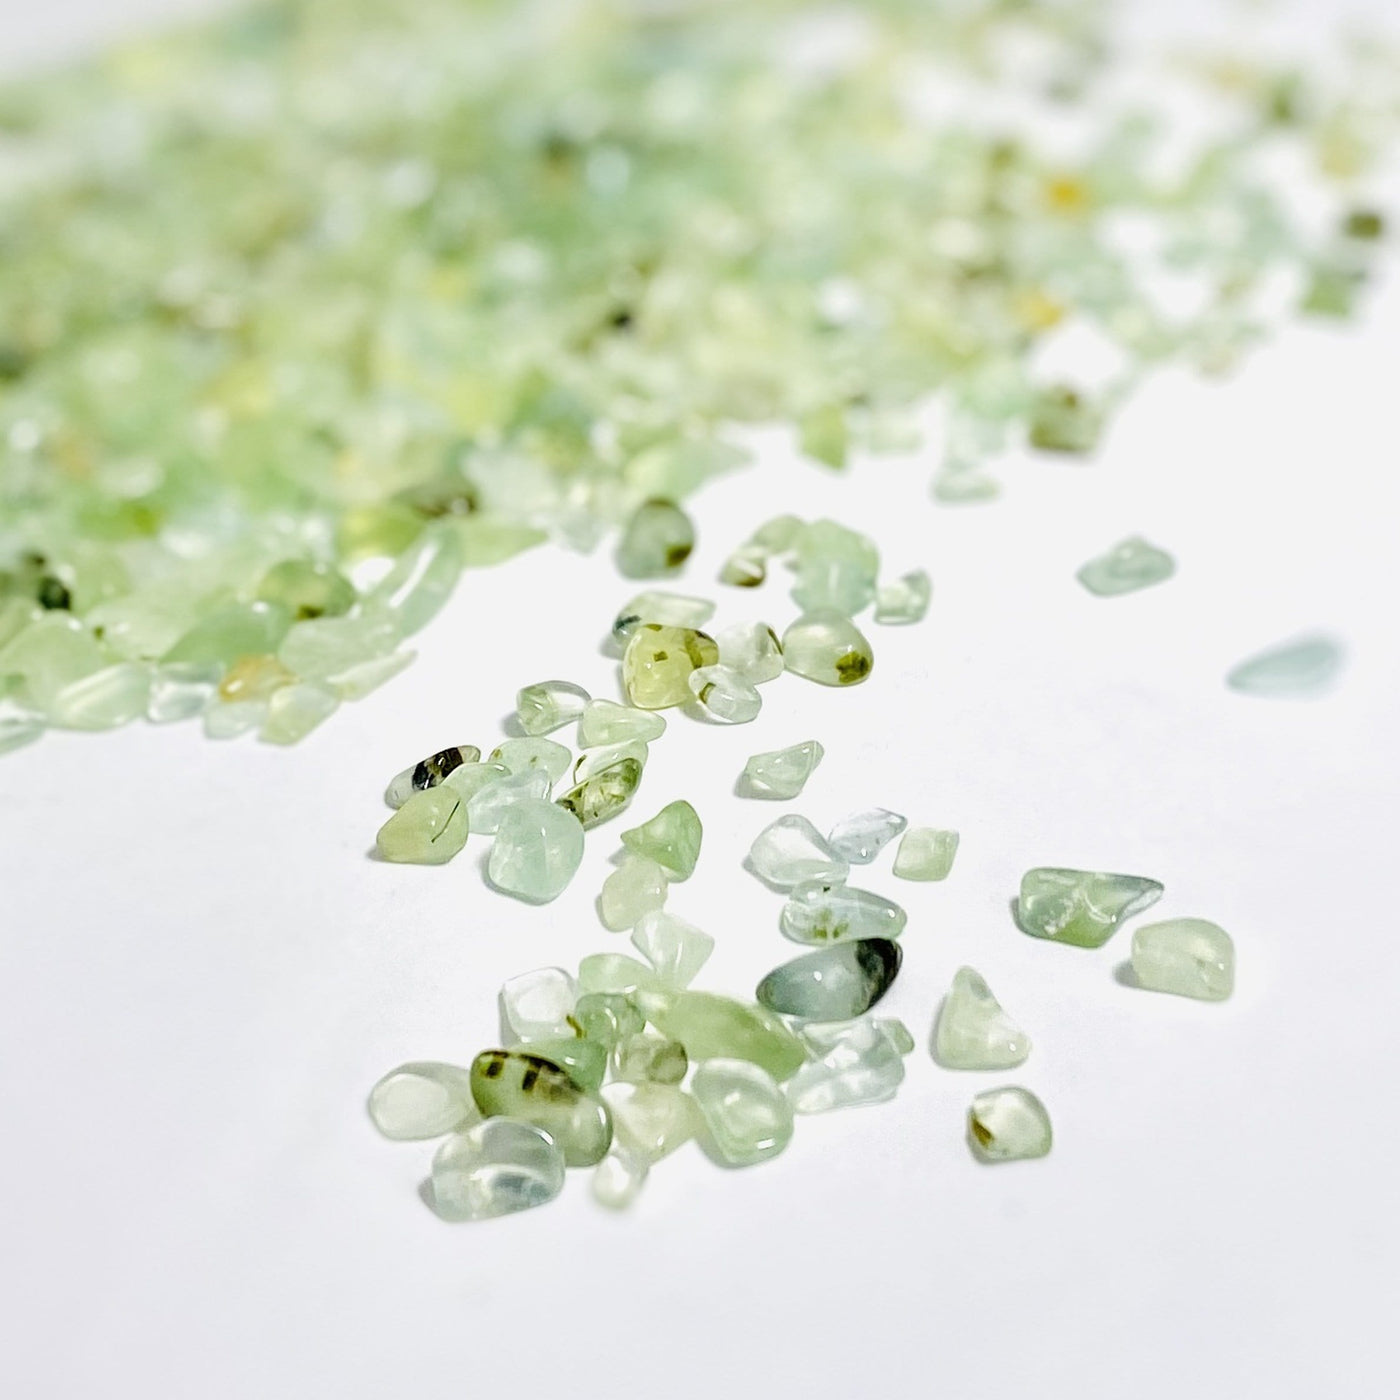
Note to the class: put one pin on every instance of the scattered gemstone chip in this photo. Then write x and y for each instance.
(521, 1085)
(861, 837)
(496, 1168)
(781, 774)
(823, 911)
(658, 661)
(429, 829)
(671, 839)
(746, 1117)
(1008, 1125)
(538, 847)
(1300, 668)
(422, 1100)
(925, 854)
(790, 851)
(549, 705)
(1126, 567)
(1191, 957)
(827, 647)
(1079, 906)
(973, 1031)
(835, 983)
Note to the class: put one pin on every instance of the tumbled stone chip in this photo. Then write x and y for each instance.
(827, 647)
(860, 837)
(1191, 957)
(538, 847)
(658, 661)
(671, 839)
(835, 983)
(1008, 1125)
(1299, 668)
(973, 1031)
(823, 911)
(549, 705)
(1080, 906)
(782, 773)
(518, 1084)
(421, 1100)
(790, 851)
(1128, 566)
(429, 829)
(746, 1117)
(925, 854)
(497, 1168)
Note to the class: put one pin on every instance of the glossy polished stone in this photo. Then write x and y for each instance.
(499, 1167)
(1128, 566)
(549, 705)
(1008, 1125)
(835, 983)
(905, 600)
(860, 837)
(650, 1120)
(522, 755)
(712, 1026)
(675, 949)
(649, 1056)
(536, 1005)
(1081, 907)
(725, 695)
(488, 805)
(607, 722)
(822, 911)
(656, 541)
(538, 847)
(1190, 957)
(663, 609)
(429, 772)
(861, 1063)
(422, 1100)
(1306, 666)
(752, 649)
(973, 1031)
(780, 774)
(638, 886)
(658, 661)
(429, 829)
(517, 1084)
(791, 850)
(603, 794)
(827, 647)
(925, 854)
(671, 839)
(746, 1117)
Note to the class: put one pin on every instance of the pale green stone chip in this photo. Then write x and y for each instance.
(671, 839)
(1008, 1125)
(429, 829)
(499, 1167)
(537, 1005)
(925, 854)
(106, 698)
(973, 1031)
(637, 887)
(423, 1100)
(663, 609)
(522, 755)
(1190, 957)
(823, 911)
(675, 949)
(656, 541)
(549, 705)
(519, 1084)
(1081, 907)
(836, 571)
(650, 1120)
(835, 983)
(1299, 668)
(745, 1116)
(618, 1180)
(725, 695)
(293, 711)
(712, 1026)
(905, 600)
(606, 722)
(790, 851)
(780, 774)
(752, 649)
(861, 1064)
(488, 806)
(604, 794)
(827, 647)
(1128, 566)
(538, 847)
(658, 661)
(860, 837)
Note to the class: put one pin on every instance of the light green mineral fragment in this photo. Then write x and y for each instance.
(615, 972)
(777, 535)
(1191, 957)
(1303, 667)
(518, 1084)
(293, 711)
(242, 629)
(51, 653)
(1128, 566)
(827, 647)
(650, 1120)
(752, 649)
(925, 853)
(496, 1168)
(543, 755)
(745, 568)
(745, 1116)
(860, 1063)
(1080, 906)
(712, 1026)
(780, 774)
(823, 911)
(656, 541)
(662, 609)
(860, 837)
(584, 1061)
(326, 647)
(538, 846)
(790, 851)
(549, 705)
(536, 1005)
(307, 589)
(593, 761)
(835, 983)
(638, 886)
(675, 949)
(422, 1100)
(973, 1031)
(472, 777)
(725, 695)
(671, 839)
(429, 829)
(420, 582)
(649, 1056)
(607, 1018)
(228, 721)
(905, 600)
(836, 571)
(618, 1179)
(604, 794)
(1008, 1125)
(488, 805)
(114, 695)
(658, 661)
(181, 691)
(1064, 420)
(606, 722)
(434, 770)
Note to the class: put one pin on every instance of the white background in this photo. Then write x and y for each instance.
(203, 973)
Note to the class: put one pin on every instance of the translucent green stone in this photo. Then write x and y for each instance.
(243, 629)
(521, 1085)
(860, 837)
(538, 847)
(497, 1168)
(584, 1061)
(675, 949)
(593, 761)
(745, 568)
(835, 983)
(106, 698)
(468, 778)
(1303, 667)
(824, 436)
(432, 771)
(326, 647)
(228, 721)
(790, 851)
(859, 1064)
(521, 755)
(827, 647)
(925, 854)
(549, 705)
(605, 722)
(293, 711)
(647, 1056)
(725, 695)
(365, 677)
(536, 1005)
(307, 589)
(1191, 957)
(780, 774)
(905, 600)
(658, 661)
(607, 1017)
(488, 805)
(422, 1100)
(181, 691)
(19, 724)
(604, 794)
(420, 582)
(973, 1031)
(663, 610)
(650, 1120)
(53, 652)
(746, 1118)
(710, 1026)
(752, 649)
(671, 839)
(823, 911)
(615, 972)
(618, 1180)
(1080, 906)
(656, 541)
(1063, 420)
(836, 570)
(636, 887)
(429, 829)
(1128, 566)
(1008, 1125)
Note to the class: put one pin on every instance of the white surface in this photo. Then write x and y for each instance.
(203, 974)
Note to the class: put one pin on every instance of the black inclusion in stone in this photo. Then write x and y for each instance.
(818, 986)
(53, 594)
(879, 959)
(431, 771)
